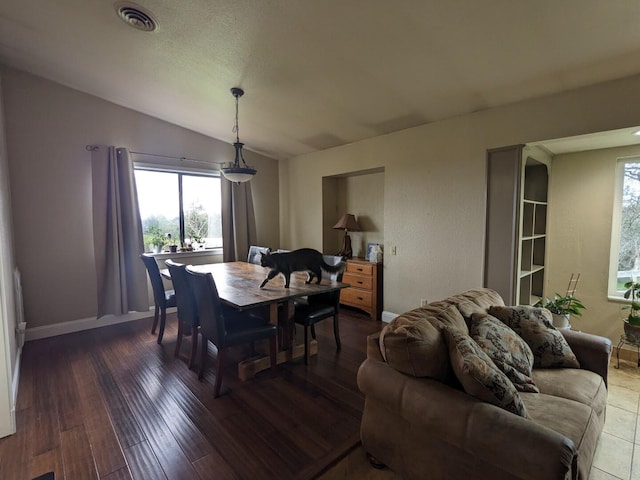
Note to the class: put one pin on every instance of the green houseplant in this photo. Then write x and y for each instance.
(562, 307)
(632, 321)
(155, 239)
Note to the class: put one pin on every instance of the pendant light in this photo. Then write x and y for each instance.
(234, 172)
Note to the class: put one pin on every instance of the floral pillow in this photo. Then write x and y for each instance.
(506, 348)
(478, 374)
(533, 324)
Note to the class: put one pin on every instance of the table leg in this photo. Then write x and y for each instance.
(287, 351)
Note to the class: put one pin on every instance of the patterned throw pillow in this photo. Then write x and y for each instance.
(533, 324)
(506, 348)
(478, 374)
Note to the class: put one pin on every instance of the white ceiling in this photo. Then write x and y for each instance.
(321, 73)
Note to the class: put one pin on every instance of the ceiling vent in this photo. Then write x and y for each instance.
(136, 16)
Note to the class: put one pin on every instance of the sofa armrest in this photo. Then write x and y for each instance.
(473, 427)
(373, 347)
(592, 351)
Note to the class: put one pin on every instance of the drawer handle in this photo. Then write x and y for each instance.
(360, 298)
(360, 269)
(360, 282)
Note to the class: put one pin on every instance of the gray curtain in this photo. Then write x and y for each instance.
(117, 234)
(238, 220)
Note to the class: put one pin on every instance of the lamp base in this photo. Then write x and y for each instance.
(346, 251)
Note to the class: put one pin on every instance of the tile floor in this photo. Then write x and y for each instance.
(617, 456)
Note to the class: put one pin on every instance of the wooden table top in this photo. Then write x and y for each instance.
(238, 284)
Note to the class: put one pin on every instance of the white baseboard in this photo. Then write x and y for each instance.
(388, 316)
(72, 326)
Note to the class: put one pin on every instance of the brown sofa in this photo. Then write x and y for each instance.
(422, 424)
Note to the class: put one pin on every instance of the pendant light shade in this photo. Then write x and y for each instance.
(236, 172)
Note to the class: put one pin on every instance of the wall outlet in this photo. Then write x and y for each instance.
(423, 302)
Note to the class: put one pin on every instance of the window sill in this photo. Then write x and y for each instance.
(617, 299)
(194, 253)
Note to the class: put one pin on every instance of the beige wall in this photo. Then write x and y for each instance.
(579, 231)
(48, 127)
(434, 186)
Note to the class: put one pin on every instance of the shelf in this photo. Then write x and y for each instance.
(534, 269)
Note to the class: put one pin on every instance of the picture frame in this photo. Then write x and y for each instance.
(370, 247)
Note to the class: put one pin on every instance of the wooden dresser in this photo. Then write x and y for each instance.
(365, 292)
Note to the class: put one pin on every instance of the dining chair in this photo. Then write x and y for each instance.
(320, 307)
(188, 322)
(163, 298)
(255, 254)
(225, 326)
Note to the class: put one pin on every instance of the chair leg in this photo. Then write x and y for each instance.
(273, 353)
(163, 320)
(219, 364)
(306, 344)
(194, 346)
(156, 311)
(178, 341)
(203, 356)
(336, 331)
(313, 332)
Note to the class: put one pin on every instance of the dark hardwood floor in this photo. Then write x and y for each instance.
(111, 404)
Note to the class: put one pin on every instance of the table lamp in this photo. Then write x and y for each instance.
(347, 222)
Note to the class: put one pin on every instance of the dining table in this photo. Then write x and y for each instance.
(238, 285)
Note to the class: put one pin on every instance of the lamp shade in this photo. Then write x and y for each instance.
(347, 222)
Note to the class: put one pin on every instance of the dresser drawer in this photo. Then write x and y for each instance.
(361, 268)
(355, 296)
(359, 281)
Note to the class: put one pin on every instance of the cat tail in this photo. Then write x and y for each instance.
(333, 268)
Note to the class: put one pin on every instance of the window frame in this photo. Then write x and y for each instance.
(180, 171)
(616, 228)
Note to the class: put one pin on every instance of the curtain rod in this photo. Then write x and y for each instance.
(91, 148)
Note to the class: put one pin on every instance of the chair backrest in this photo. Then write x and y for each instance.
(255, 254)
(185, 300)
(156, 279)
(330, 298)
(208, 305)
(334, 260)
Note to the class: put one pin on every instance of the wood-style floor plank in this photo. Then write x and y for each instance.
(77, 455)
(106, 447)
(112, 404)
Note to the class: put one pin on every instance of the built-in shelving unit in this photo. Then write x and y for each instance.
(533, 230)
(517, 187)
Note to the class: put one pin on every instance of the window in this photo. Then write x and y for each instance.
(625, 236)
(183, 204)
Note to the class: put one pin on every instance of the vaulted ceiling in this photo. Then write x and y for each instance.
(321, 73)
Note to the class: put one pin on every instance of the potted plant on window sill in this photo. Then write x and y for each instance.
(562, 307)
(632, 322)
(173, 247)
(155, 239)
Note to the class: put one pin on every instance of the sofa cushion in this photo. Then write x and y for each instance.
(506, 348)
(533, 324)
(575, 384)
(574, 420)
(445, 313)
(477, 300)
(413, 344)
(478, 374)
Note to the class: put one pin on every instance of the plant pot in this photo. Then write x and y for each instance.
(173, 248)
(632, 332)
(561, 321)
